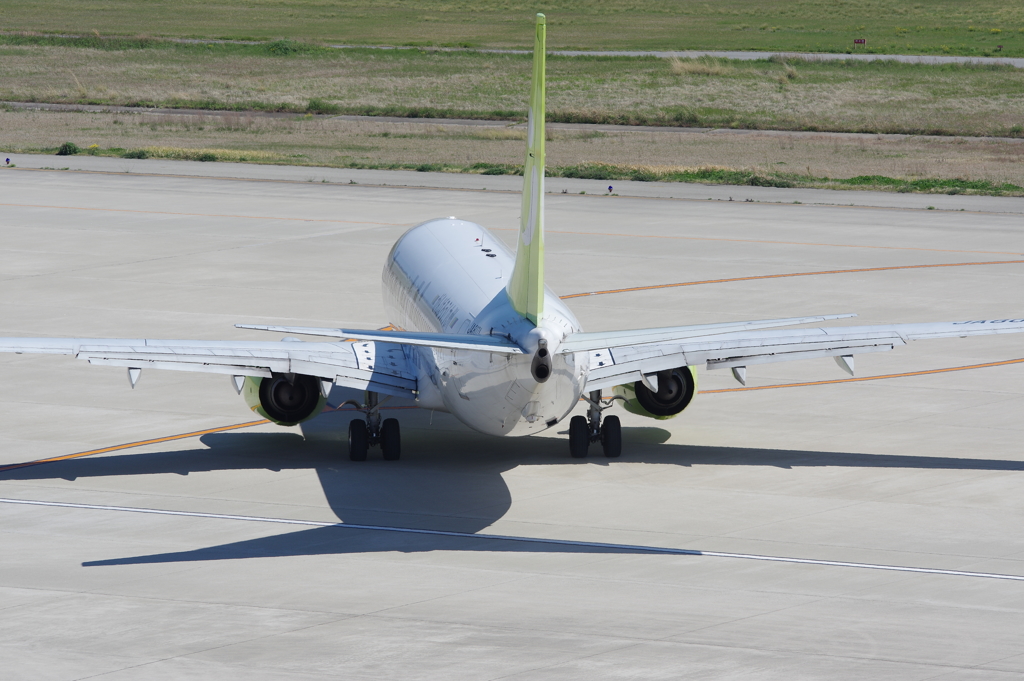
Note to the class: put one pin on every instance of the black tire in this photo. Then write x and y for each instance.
(358, 440)
(611, 437)
(579, 437)
(390, 440)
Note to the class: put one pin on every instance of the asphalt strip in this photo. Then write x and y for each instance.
(525, 540)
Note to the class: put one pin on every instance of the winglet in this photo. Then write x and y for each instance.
(526, 286)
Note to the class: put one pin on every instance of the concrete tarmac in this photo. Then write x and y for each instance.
(841, 529)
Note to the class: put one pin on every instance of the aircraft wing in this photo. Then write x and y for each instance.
(626, 361)
(380, 367)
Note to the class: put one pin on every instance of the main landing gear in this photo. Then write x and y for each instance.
(373, 431)
(586, 429)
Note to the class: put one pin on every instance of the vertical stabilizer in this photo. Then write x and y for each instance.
(526, 287)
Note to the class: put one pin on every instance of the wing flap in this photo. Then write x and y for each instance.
(614, 365)
(629, 366)
(381, 367)
(147, 363)
(787, 353)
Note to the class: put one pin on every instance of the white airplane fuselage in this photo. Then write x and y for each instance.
(449, 276)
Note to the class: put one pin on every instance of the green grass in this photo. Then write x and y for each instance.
(176, 153)
(276, 48)
(603, 171)
(900, 26)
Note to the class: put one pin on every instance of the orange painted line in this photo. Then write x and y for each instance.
(205, 215)
(129, 445)
(865, 378)
(158, 440)
(762, 241)
(790, 274)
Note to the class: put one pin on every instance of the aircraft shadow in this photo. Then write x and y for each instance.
(449, 480)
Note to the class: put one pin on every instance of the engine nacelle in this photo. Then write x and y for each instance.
(285, 399)
(676, 388)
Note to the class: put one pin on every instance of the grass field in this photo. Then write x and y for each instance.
(889, 26)
(288, 76)
(910, 164)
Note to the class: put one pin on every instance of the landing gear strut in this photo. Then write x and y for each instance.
(586, 429)
(373, 431)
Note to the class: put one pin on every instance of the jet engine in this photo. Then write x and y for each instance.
(285, 399)
(676, 388)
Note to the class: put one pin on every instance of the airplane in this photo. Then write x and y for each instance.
(476, 333)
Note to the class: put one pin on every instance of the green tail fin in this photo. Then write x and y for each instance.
(526, 287)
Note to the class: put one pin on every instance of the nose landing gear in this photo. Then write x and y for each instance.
(586, 429)
(373, 431)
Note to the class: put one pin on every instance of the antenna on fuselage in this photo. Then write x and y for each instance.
(526, 286)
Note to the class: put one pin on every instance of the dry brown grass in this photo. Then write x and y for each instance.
(702, 92)
(704, 66)
(318, 141)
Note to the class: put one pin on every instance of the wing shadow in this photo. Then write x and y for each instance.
(449, 480)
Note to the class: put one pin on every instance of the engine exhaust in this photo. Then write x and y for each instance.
(541, 367)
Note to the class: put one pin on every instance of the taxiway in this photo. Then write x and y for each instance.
(808, 526)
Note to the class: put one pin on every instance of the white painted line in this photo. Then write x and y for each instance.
(527, 540)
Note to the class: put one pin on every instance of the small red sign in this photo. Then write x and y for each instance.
(860, 41)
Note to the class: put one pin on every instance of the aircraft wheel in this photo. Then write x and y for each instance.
(358, 440)
(579, 437)
(390, 440)
(611, 437)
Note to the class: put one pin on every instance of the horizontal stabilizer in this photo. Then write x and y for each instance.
(453, 341)
(585, 342)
